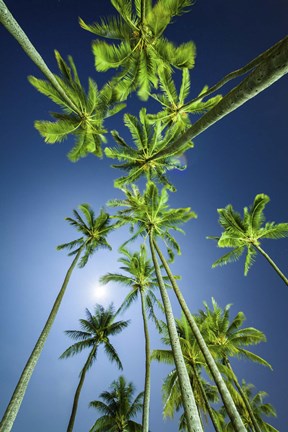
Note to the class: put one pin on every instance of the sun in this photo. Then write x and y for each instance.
(100, 292)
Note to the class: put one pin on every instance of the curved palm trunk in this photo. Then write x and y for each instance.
(8, 21)
(20, 389)
(207, 404)
(265, 74)
(272, 263)
(147, 385)
(222, 388)
(78, 390)
(245, 399)
(190, 407)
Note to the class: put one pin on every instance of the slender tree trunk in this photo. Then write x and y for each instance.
(245, 399)
(190, 407)
(20, 389)
(207, 404)
(265, 74)
(222, 388)
(78, 390)
(9, 22)
(272, 263)
(147, 385)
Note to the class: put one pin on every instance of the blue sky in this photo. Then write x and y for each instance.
(242, 155)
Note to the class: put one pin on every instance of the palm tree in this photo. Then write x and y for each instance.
(118, 408)
(142, 280)
(94, 232)
(140, 160)
(245, 234)
(203, 391)
(226, 339)
(139, 26)
(95, 331)
(175, 110)
(151, 215)
(86, 121)
(259, 409)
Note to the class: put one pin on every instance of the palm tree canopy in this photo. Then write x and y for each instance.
(150, 213)
(176, 112)
(142, 158)
(245, 233)
(96, 329)
(86, 122)
(118, 407)
(260, 409)
(142, 48)
(227, 338)
(94, 231)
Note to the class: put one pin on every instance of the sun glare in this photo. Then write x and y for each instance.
(100, 292)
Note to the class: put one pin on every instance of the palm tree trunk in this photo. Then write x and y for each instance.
(190, 407)
(8, 21)
(222, 388)
(272, 263)
(245, 399)
(207, 404)
(78, 390)
(20, 389)
(269, 71)
(147, 385)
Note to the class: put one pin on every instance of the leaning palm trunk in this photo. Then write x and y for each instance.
(190, 407)
(147, 385)
(270, 70)
(222, 388)
(243, 396)
(78, 390)
(206, 401)
(8, 21)
(19, 392)
(272, 263)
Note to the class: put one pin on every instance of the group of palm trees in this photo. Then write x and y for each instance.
(199, 345)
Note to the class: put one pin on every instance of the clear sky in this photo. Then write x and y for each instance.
(242, 155)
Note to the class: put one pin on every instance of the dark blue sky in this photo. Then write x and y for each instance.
(242, 155)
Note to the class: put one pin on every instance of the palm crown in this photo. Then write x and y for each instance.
(85, 118)
(143, 48)
(176, 111)
(142, 159)
(118, 408)
(150, 213)
(93, 229)
(246, 233)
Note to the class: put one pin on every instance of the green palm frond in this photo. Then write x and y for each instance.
(86, 121)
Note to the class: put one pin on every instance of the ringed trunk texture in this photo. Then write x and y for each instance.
(190, 407)
(9, 22)
(147, 384)
(20, 389)
(78, 390)
(222, 388)
(274, 67)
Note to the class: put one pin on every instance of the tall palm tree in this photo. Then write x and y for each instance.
(227, 339)
(150, 213)
(259, 409)
(94, 231)
(142, 280)
(95, 331)
(86, 122)
(175, 110)
(139, 160)
(139, 26)
(203, 391)
(246, 233)
(118, 408)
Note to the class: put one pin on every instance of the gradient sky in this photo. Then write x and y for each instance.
(242, 155)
